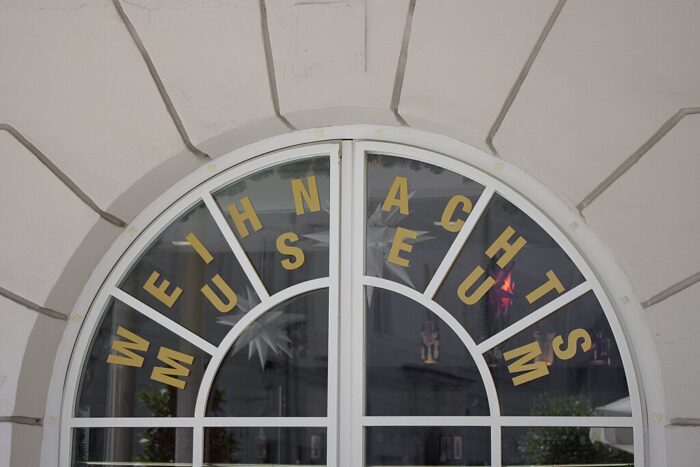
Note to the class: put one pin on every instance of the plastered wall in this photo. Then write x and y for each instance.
(103, 105)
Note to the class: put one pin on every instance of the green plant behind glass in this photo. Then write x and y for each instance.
(158, 444)
(566, 445)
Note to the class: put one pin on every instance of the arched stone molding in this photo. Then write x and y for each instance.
(565, 217)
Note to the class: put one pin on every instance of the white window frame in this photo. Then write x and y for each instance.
(346, 391)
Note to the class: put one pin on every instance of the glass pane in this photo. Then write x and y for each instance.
(547, 446)
(416, 365)
(132, 446)
(264, 446)
(190, 254)
(515, 267)
(281, 218)
(278, 367)
(566, 364)
(137, 368)
(406, 203)
(435, 445)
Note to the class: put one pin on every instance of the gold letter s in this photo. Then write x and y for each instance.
(570, 351)
(294, 251)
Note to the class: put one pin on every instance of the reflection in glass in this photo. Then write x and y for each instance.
(406, 200)
(191, 254)
(134, 383)
(546, 446)
(274, 226)
(416, 365)
(265, 446)
(131, 446)
(434, 445)
(517, 273)
(566, 365)
(576, 366)
(278, 367)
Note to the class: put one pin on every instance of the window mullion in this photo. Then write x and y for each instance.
(334, 301)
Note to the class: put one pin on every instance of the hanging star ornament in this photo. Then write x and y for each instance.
(322, 238)
(381, 229)
(266, 335)
(245, 303)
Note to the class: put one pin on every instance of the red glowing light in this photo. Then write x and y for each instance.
(507, 286)
(501, 296)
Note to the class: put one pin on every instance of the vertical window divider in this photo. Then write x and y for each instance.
(334, 305)
(356, 230)
(197, 444)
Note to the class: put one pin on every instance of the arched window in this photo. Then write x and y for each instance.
(354, 303)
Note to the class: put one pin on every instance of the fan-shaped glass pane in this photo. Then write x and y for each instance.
(416, 365)
(414, 212)
(278, 366)
(567, 364)
(138, 368)
(281, 218)
(190, 275)
(509, 267)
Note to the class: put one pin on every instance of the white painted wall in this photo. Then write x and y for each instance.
(608, 76)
